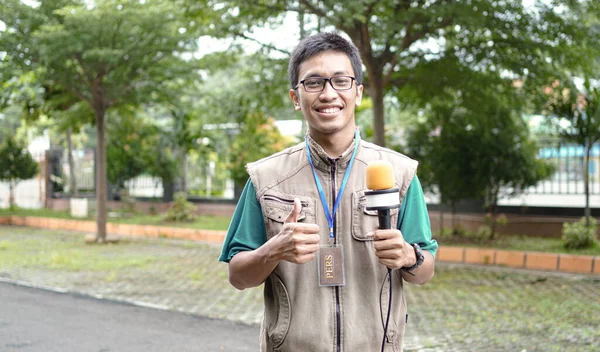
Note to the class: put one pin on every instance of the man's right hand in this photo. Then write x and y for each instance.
(296, 242)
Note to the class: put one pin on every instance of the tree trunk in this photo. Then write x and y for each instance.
(101, 175)
(11, 194)
(72, 180)
(168, 191)
(453, 211)
(586, 178)
(376, 93)
(184, 168)
(492, 211)
(301, 23)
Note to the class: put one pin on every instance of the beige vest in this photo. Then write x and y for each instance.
(299, 315)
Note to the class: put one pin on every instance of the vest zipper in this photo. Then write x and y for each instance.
(338, 318)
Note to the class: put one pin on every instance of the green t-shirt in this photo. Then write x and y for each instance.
(247, 230)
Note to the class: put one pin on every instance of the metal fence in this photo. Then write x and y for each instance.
(568, 178)
(200, 180)
(569, 175)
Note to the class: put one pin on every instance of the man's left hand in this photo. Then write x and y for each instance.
(392, 250)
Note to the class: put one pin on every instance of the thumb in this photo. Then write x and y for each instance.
(293, 216)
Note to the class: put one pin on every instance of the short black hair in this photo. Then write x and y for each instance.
(318, 43)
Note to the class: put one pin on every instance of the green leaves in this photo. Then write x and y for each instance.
(258, 138)
(476, 149)
(15, 164)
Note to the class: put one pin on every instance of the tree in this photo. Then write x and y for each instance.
(581, 112)
(64, 114)
(16, 164)
(505, 159)
(426, 45)
(475, 145)
(443, 145)
(107, 54)
(258, 138)
(127, 148)
(574, 111)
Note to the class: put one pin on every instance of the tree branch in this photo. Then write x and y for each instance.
(79, 95)
(79, 58)
(269, 46)
(427, 30)
(312, 8)
(398, 82)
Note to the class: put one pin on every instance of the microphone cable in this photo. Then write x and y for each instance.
(387, 319)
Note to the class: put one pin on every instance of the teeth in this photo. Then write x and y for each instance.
(329, 110)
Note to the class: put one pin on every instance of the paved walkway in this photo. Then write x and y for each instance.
(463, 309)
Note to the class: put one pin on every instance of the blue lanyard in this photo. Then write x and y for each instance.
(329, 214)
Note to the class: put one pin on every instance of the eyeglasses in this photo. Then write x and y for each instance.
(317, 84)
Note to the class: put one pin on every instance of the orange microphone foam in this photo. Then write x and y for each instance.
(380, 175)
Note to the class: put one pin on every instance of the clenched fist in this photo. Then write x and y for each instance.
(392, 250)
(296, 242)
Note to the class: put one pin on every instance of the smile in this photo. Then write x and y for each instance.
(333, 110)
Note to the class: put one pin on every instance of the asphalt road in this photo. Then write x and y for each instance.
(36, 320)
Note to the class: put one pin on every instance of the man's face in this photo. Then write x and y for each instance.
(329, 111)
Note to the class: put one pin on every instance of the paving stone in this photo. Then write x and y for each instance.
(464, 308)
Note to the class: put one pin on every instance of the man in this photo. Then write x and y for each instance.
(301, 226)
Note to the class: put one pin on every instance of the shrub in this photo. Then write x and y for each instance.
(483, 232)
(578, 236)
(180, 209)
(127, 204)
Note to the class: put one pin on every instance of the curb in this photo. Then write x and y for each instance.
(83, 294)
(567, 263)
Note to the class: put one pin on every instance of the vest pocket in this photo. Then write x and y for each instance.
(278, 311)
(363, 220)
(277, 206)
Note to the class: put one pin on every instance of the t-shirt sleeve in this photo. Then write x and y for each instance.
(247, 230)
(413, 219)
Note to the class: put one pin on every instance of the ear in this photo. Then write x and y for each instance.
(359, 93)
(295, 99)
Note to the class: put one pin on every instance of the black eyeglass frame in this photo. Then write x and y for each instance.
(325, 80)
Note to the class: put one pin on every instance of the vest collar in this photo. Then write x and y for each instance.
(323, 162)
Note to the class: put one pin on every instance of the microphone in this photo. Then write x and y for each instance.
(383, 196)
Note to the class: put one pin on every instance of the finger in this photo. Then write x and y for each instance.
(381, 235)
(302, 239)
(307, 228)
(389, 254)
(293, 216)
(392, 264)
(388, 244)
(306, 249)
(371, 234)
(303, 259)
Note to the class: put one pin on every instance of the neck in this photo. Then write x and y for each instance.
(334, 144)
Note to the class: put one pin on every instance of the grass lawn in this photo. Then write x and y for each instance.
(65, 252)
(521, 243)
(201, 222)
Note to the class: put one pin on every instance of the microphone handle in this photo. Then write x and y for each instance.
(384, 219)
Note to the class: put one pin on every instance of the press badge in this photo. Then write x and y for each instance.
(331, 266)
